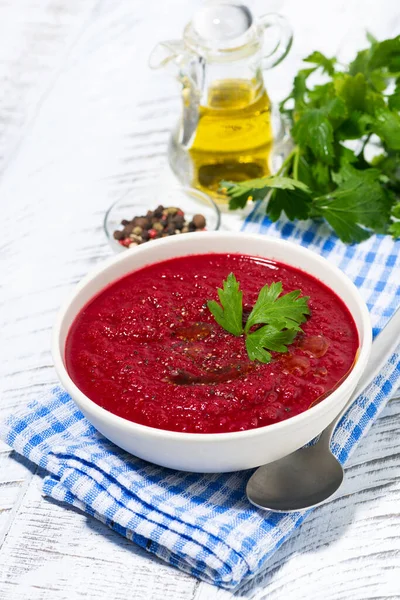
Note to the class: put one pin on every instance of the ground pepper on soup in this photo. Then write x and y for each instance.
(147, 348)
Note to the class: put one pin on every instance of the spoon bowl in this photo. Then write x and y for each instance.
(295, 482)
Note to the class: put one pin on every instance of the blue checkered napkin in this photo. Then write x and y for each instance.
(202, 524)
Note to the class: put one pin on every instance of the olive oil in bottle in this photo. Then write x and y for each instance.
(233, 139)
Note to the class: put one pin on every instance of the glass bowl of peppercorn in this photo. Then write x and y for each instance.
(142, 215)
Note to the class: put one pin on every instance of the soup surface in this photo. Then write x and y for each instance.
(148, 349)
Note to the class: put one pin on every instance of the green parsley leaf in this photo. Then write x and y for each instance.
(355, 126)
(298, 92)
(396, 211)
(352, 90)
(345, 155)
(345, 226)
(387, 125)
(321, 174)
(304, 172)
(386, 54)
(388, 164)
(268, 338)
(229, 313)
(361, 63)
(294, 201)
(371, 38)
(280, 316)
(240, 193)
(327, 64)
(394, 229)
(257, 189)
(394, 99)
(320, 95)
(336, 111)
(374, 102)
(314, 130)
(358, 200)
(285, 183)
(286, 311)
(378, 80)
(381, 57)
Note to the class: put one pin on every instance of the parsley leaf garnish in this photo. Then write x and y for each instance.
(280, 315)
(268, 337)
(229, 313)
(324, 178)
(281, 312)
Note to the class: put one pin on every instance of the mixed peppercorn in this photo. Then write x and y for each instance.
(158, 223)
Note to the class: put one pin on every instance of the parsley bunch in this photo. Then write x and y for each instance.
(323, 177)
(280, 317)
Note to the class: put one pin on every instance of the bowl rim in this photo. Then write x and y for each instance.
(311, 413)
(188, 190)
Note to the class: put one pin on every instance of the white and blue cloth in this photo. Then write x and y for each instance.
(202, 524)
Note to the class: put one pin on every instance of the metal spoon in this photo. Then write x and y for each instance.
(310, 475)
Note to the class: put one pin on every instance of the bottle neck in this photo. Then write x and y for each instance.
(230, 85)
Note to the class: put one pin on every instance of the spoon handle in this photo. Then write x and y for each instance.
(382, 348)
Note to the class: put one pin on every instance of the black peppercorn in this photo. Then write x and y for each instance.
(162, 222)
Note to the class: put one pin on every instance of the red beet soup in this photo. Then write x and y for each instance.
(148, 349)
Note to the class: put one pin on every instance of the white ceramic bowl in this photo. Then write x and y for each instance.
(214, 452)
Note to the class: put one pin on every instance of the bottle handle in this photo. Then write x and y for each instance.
(284, 43)
(167, 54)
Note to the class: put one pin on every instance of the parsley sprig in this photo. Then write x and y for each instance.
(279, 315)
(323, 177)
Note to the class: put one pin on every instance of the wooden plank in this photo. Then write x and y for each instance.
(56, 553)
(34, 41)
(15, 474)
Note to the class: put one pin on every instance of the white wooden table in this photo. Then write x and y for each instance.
(81, 119)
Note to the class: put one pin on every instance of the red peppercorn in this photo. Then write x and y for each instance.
(152, 233)
(125, 242)
(180, 213)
